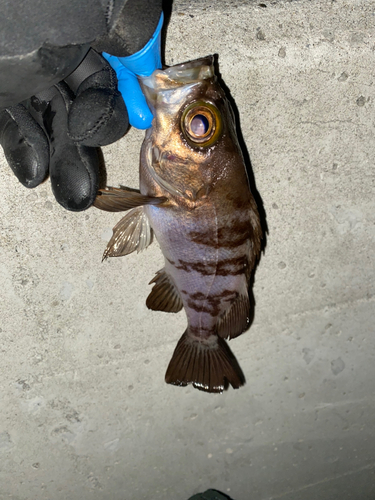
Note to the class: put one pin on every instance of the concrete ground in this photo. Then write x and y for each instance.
(85, 413)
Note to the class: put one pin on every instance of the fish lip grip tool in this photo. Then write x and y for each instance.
(142, 63)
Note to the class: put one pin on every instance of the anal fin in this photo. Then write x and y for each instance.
(164, 295)
(236, 318)
(132, 233)
(113, 199)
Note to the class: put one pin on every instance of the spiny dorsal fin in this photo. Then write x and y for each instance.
(133, 232)
(113, 199)
(236, 318)
(164, 296)
(209, 365)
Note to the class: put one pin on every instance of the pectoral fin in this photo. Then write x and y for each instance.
(236, 318)
(133, 232)
(113, 199)
(164, 296)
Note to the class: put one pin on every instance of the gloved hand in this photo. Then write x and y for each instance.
(58, 130)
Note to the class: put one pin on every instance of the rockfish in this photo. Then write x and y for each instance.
(195, 197)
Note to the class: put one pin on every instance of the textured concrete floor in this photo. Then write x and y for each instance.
(85, 413)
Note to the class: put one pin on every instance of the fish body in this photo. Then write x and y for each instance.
(201, 210)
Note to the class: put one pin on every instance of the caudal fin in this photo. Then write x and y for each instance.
(209, 365)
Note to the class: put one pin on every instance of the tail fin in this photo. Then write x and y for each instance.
(209, 365)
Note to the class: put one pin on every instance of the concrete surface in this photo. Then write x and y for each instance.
(85, 413)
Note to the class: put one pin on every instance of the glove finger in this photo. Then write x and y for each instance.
(98, 114)
(74, 169)
(146, 60)
(25, 145)
(139, 113)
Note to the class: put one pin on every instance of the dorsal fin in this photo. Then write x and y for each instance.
(133, 232)
(236, 318)
(113, 199)
(164, 295)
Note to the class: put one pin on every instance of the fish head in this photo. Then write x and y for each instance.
(192, 131)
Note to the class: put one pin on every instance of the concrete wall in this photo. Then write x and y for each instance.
(85, 413)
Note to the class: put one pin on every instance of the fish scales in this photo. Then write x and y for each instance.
(203, 215)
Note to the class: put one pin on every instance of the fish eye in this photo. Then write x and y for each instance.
(201, 124)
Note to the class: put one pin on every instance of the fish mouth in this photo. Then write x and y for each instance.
(173, 77)
(191, 71)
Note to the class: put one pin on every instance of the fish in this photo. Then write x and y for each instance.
(195, 198)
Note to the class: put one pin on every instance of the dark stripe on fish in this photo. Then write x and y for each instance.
(224, 267)
(230, 236)
(201, 296)
(211, 304)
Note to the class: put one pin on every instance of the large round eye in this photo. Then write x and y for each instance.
(201, 124)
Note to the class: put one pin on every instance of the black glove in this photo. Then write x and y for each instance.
(57, 130)
(45, 134)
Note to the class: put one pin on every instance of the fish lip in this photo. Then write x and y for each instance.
(189, 65)
(170, 78)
